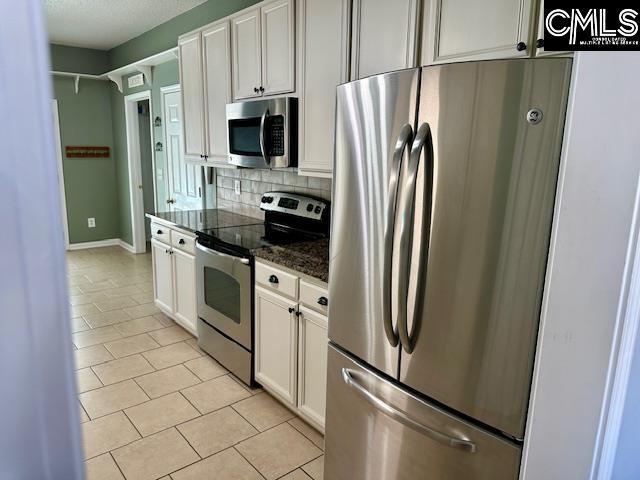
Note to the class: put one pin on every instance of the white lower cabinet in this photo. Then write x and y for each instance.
(174, 277)
(291, 344)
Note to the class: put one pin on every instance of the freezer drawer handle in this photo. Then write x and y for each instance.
(401, 417)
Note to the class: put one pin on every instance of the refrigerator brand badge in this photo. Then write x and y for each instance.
(571, 26)
(534, 116)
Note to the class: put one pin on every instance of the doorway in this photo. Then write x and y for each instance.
(58, 147)
(141, 160)
(184, 180)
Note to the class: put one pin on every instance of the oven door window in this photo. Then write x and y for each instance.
(222, 293)
(244, 137)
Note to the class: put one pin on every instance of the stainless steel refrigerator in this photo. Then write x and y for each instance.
(444, 186)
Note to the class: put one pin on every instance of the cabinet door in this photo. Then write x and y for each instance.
(184, 275)
(246, 64)
(276, 345)
(277, 29)
(190, 62)
(470, 30)
(323, 65)
(162, 276)
(374, 52)
(312, 366)
(216, 47)
(540, 52)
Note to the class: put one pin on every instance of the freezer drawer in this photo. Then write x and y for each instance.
(377, 431)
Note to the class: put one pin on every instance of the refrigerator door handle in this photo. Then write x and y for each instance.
(422, 140)
(396, 164)
(403, 418)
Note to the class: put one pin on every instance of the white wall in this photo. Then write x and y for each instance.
(586, 277)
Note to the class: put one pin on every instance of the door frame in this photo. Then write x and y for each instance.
(163, 93)
(63, 195)
(135, 166)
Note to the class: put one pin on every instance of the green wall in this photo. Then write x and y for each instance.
(79, 60)
(90, 183)
(165, 36)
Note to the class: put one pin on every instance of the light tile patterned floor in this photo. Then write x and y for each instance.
(153, 405)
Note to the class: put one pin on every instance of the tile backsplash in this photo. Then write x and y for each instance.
(254, 182)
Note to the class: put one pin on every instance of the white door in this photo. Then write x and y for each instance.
(374, 52)
(190, 62)
(245, 32)
(312, 354)
(276, 344)
(184, 270)
(470, 30)
(277, 31)
(185, 182)
(162, 276)
(58, 147)
(216, 45)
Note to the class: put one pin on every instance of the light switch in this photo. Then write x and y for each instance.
(91, 222)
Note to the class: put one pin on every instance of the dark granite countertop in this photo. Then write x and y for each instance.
(310, 258)
(198, 220)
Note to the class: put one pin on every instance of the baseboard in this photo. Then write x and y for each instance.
(126, 246)
(99, 243)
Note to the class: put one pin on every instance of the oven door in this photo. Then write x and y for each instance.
(224, 293)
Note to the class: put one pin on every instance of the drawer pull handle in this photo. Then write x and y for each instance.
(181, 241)
(273, 279)
(323, 301)
(159, 232)
(291, 309)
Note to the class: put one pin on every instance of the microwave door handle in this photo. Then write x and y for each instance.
(263, 146)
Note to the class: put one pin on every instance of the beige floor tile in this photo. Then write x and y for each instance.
(86, 380)
(130, 280)
(216, 431)
(215, 394)
(226, 465)
(74, 290)
(78, 325)
(141, 298)
(112, 398)
(122, 369)
(161, 413)
(79, 310)
(121, 291)
(170, 355)
(163, 319)
(102, 319)
(170, 335)
(95, 336)
(308, 431)
(107, 433)
(155, 456)
(278, 451)
(142, 310)
(138, 326)
(130, 345)
(206, 368)
(102, 468)
(83, 415)
(97, 286)
(263, 411)
(145, 287)
(166, 381)
(297, 474)
(89, 356)
(115, 304)
(77, 280)
(83, 299)
(193, 343)
(315, 468)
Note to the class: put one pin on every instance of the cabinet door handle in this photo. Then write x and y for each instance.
(540, 43)
(291, 309)
(159, 232)
(262, 89)
(255, 90)
(181, 241)
(323, 301)
(521, 46)
(273, 279)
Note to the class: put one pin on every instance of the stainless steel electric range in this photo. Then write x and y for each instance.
(225, 273)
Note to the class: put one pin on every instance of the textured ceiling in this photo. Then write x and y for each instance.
(104, 24)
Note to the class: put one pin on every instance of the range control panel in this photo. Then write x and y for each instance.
(293, 204)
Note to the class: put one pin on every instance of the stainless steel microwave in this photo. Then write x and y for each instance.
(263, 133)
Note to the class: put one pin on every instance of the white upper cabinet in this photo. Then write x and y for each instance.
(384, 36)
(246, 55)
(323, 64)
(193, 117)
(460, 30)
(277, 20)
(216, 52)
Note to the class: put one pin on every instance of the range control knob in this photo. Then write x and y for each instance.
(263, 199)
(309, 207)
(318, 209)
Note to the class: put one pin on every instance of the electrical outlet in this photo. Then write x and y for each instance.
(236, 186)
(91, 222)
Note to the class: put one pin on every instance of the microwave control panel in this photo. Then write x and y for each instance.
(276, 140)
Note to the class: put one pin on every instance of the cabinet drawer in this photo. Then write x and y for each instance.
(314, 297)
(183, 242)
(161, 232)
(277, 280)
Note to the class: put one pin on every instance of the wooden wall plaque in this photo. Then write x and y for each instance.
(87, 152)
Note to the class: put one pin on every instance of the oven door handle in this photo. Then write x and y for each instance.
(263, 146)
(246, 261)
